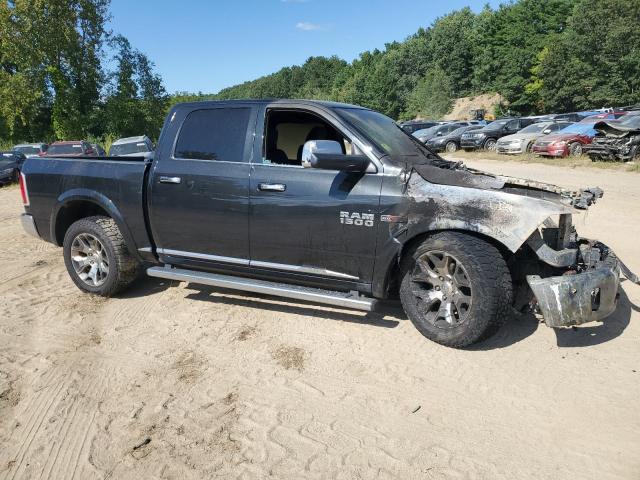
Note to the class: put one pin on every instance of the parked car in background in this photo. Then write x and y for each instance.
(523, 140)
(487, 137)
(415, 125)
(568, 141)
(441, 130)
(78, 148)
(99, 150)
(451, 141)
(617, 140)
(31, 149)
(10, 163)
(141, 146)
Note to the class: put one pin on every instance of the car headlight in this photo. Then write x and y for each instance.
(560, 143)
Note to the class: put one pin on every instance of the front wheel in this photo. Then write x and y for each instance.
(575, 149)
(451, 147)
(490, 144)
(456, 289)
(97, 257)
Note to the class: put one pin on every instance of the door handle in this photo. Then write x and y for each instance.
(272, 187)
(170, 179)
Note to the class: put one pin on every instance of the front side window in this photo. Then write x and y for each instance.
(214, 134)
(286, 132)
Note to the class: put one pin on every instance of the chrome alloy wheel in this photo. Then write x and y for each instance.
(89, 259)
(442, 289)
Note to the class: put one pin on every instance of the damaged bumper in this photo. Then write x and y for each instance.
(578, 298)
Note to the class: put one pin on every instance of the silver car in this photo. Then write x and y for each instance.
(523, 140)
(141, 146)
(31, 149)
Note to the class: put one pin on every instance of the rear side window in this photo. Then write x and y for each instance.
(214, 134)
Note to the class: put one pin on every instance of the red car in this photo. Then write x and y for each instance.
(569, 140)
(70, 149)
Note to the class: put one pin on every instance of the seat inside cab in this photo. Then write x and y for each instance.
(288, 130)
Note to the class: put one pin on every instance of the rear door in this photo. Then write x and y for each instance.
(199, 195)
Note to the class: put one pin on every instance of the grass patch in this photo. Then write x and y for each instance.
(570, 162)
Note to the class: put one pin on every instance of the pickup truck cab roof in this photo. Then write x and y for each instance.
(324, 202)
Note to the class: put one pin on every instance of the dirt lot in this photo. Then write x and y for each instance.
(171, 381)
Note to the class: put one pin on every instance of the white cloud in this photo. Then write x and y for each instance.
(309, 27)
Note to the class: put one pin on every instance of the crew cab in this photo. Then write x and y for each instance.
(328, 203)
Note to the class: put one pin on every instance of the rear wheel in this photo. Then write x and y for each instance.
(97, 257)
(451, 147)
(456, 289)
(490, 144)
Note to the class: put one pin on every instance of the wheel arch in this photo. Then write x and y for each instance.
(390, 284)
(76, 204)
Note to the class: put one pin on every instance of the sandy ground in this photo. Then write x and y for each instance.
(171, 381)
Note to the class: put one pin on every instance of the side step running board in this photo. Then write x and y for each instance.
(328, 297)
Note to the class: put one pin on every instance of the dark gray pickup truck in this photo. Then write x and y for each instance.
(328, 203)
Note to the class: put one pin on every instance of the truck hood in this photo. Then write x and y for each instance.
(443, 172)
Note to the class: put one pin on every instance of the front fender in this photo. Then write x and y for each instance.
(96, 198)
(506, 217)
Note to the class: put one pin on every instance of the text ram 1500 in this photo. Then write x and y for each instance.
(328, 203)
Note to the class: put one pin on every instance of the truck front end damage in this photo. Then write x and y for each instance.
(580, 278)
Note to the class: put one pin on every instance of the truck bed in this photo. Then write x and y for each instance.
(114, 184)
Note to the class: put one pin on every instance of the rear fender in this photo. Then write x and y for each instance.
(91, 196)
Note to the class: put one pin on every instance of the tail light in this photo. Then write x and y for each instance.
(23, 190)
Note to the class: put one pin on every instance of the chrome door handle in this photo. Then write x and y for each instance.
(170, 180)
(272, 187)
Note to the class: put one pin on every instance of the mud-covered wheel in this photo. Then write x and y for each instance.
(456, 289)
(451, 147)
(490, 144)
(575, 149)
(97, 257)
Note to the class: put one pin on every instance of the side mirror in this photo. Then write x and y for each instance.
(439, 134)
(327, 155)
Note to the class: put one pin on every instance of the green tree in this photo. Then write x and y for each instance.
(432, 97)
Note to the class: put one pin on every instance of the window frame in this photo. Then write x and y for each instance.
(247, 154)
(263, 140)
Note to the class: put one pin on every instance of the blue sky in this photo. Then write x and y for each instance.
(200, 45)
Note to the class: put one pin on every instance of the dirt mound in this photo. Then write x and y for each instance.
(462, 106)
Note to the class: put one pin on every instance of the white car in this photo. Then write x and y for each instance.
(523, 140)
(31, 149)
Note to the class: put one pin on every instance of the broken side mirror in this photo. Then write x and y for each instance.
(327, 155)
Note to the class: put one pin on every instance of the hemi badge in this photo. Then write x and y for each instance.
(393, 218)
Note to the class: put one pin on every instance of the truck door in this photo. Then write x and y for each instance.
(306, 221)
(199, 186)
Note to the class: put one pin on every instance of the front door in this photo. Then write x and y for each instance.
(200, 191)
(309, 221)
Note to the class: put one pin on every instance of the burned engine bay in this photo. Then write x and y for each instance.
(616, 140)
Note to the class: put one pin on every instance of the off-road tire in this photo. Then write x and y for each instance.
(490, 144)
(123, 267)
(490, 283)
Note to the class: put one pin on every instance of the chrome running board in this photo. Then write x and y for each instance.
(316, 295)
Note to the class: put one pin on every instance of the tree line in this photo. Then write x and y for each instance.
(542, 56)
(64, 75)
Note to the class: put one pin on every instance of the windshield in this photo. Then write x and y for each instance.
(128, 148)
(582, 128)
(427, 131)
(534, 128)
(27, 150)
(65, 149)
(497, 124)
(381, 131)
